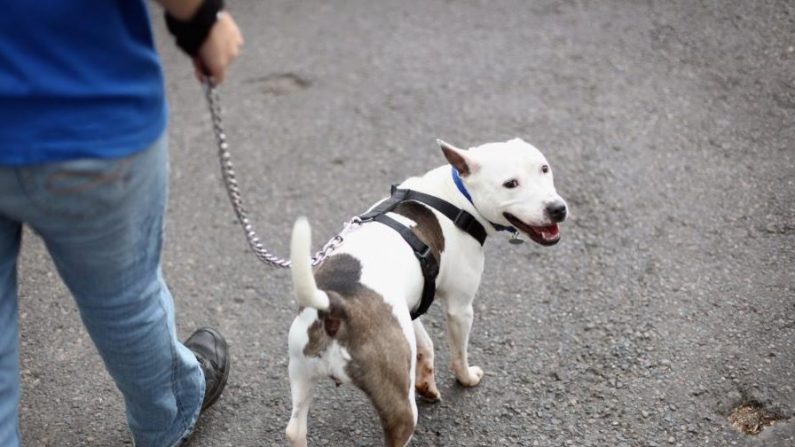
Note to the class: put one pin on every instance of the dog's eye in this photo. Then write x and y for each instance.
(512, 183)
(545, 169)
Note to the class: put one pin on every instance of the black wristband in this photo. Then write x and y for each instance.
(192, 33)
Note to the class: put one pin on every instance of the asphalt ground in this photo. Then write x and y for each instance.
(669, 302)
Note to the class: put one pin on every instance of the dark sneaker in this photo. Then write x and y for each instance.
(211, 350)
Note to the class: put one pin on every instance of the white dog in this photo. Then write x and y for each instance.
(355, 317)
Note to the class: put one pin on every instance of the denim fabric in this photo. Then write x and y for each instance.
(101, 220)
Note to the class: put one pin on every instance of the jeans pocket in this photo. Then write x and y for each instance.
(79, 189)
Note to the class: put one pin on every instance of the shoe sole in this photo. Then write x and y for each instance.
(225, 372)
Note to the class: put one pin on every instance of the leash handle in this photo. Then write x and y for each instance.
(233, 191)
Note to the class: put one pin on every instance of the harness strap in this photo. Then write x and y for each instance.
(461, 218)
(389, 204)
(428, 263)
(424, 254)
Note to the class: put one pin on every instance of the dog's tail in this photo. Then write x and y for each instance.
(306, 292)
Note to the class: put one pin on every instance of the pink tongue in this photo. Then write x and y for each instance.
(550, 231)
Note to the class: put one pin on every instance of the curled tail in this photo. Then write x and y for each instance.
(304, 287)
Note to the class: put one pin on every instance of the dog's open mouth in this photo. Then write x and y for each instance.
(546, 235)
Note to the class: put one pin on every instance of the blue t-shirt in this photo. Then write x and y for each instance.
(78, 79)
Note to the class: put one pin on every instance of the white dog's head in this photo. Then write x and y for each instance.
(511, 184)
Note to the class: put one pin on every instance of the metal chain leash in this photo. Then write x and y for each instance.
(233, 190)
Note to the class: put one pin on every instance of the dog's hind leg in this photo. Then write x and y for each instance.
(398, 418)
(459, 323)
(302, 385)
(425, 383)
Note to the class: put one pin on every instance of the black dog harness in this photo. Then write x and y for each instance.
(428, 263)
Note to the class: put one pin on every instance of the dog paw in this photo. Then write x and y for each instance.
(428, 391)
(472, 376)
(426, 381)
(295, 434)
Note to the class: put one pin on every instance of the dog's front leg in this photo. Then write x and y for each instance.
(459, 322)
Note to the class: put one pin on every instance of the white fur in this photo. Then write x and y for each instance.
(390, 268)
(495, 163)
(304, 287)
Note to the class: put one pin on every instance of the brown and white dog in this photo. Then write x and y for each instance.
(354, 321)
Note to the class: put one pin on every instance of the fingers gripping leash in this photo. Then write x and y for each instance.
(233, 191)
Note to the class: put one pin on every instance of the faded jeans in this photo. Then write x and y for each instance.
(102, 221)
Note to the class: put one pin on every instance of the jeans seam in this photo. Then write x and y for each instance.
(188, 431)
(174, 363)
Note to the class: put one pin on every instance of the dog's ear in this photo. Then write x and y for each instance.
(460, 160)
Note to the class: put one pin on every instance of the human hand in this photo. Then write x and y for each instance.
(219, 49)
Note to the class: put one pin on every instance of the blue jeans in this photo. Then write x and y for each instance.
(102, 221)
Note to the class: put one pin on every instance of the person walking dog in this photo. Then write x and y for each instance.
(84, 164)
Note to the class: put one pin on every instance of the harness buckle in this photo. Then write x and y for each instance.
(396, 197)
(428, 263)
(398, 194)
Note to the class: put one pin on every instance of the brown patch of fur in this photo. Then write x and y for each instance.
(380, 362)
(333, 318)
(318, 340)
(427, 226)
(380, 355)
(322, 330)
(339, 273)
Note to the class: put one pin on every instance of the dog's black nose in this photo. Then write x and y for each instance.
(557, 211)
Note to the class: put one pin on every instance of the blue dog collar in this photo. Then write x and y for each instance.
(460, 184)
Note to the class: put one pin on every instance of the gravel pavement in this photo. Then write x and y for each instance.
(669, 302)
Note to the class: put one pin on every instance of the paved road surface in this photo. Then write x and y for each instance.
(669, 302)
